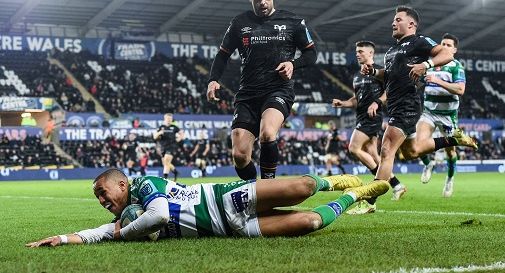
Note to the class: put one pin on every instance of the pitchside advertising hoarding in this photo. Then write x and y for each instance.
(214, 171)
(144, 50)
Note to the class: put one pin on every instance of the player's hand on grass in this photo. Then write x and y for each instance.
(416, 71)
(285, 70)
(50, 241)
(372, 109)
(212, 91)
(337, 103)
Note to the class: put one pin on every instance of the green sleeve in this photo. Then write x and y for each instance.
(147, 188)
(458, 73)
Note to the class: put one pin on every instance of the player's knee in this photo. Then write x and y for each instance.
(304, 187)
(354, 149)
(240, 158)
(310, 222)
(267, 135)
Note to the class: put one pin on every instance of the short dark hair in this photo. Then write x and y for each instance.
(451, 37)
(365, 43)
(111, 173)
(411, 12)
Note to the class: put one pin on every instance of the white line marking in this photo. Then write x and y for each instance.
(469, 268)
(47, 198)
(450, 213)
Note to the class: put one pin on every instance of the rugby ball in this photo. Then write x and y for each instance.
(132, 212)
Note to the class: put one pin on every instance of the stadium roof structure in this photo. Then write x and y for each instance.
(479, 24)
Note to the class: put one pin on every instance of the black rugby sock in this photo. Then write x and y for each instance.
(268, 159)
(248, 172)
(393, 181)
(444, 142)
(342, 170)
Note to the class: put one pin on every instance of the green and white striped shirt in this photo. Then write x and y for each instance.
(437, 100)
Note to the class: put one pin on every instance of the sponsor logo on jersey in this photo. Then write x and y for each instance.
(245, 41)
(235, 117)
(405, 44)
(246, 30)
(280, 27)
(265, 39)
(146, 189)
(280, 100)
(240, 200)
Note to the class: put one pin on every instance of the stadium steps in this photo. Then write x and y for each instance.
(336, 81)
(204, 71)
(60, 152)
(77, 84)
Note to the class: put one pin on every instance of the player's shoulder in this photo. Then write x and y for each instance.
(457, 63)
(377, 66)
(424, 38)
(244, 16)
(288, 15)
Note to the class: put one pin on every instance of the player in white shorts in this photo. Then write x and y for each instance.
(444, 86)
(243, 208)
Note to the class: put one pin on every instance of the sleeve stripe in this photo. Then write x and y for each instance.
(151, 198)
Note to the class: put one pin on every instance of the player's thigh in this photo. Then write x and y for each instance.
(371, 146)
(242, 141)
(283, 192)
(424, 128)
(358, 140)
(392, 140)
(271, 122)
(167, 157)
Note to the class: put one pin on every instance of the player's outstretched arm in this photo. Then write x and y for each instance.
(456, 88)
(350, 103)
(57, 241)
(95, 235)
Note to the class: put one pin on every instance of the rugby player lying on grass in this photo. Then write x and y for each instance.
(242, 208)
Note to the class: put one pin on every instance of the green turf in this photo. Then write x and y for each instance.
(387, 240)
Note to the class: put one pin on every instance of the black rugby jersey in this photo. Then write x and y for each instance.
(367, 89)
(202, 143)
(264, 43)
(334, 139)
(402, 95)
(169, 135)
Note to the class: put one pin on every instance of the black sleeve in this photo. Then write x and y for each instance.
(231, 39)
(424, 45)
(302, 36)
(218, 65)
(308, 57)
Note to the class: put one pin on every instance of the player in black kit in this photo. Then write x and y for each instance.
(200, 153)
(405, 63)
(368, 97)
(332, 149)
(267, 40)
(167, 136)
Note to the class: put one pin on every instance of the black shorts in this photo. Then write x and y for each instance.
(405, 122)
(248, 113)
(369, 126)
(169, 149)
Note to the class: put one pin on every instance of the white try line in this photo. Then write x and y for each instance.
(450, 213)
(468, 268)
(47, 198)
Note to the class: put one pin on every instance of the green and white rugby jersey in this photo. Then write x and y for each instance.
(195, 210)
(437, 100)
